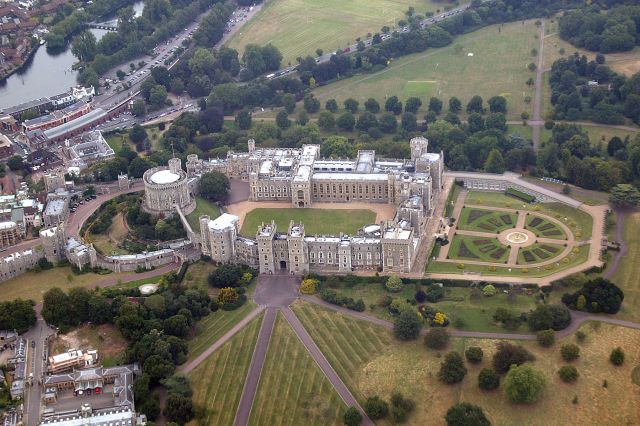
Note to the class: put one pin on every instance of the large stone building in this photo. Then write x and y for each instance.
(302, 178)
(166, 188)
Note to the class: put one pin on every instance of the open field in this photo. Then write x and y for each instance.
(482, 249)
(292, 389)
(626, 277)
(474, 75)
(315, 221)
(412, 369)
(299, 27)
(108, 242)
(213, 326)
(105, 338)
(202, 207)
(217, 383)
(32, 285)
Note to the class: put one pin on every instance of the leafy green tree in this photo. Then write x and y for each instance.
(179, 409)
(523, 384)
(282, 120)
(137, 134)
(570, 352)
(568, 373)
(452, 370)
(600, 294)
(366, 121)
(15, 163)
(331, 105)
(311, 104)
(214, 186)
(622, 195)
(394, 284)
(474, 354)
(435, 104)
(455, 106)
(326, 121)
(157, 97)
(497, 104)
(409, 122)
(555, 317)
(466, 414)
(17, 315)
(376, 408)
(289, 103)
(489, 290)
(546, 338)
(437, 338)
(351, 105)
(407, 325)
(412, 104)
(508, 355)
(388, 123)
(56, 308)
(243, 119)
(494, 162)
(475, 105)
(617, 356)
(392, 104)
(83, 46)
(138, 108)
(302, 118)
(488, 379)
(352, 417)
(346, 121)
(336, 147)
(372, 106)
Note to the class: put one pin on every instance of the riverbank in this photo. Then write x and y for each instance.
(25, 62)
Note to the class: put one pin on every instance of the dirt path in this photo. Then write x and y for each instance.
(621, 215)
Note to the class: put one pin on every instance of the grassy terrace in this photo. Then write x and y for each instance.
(369, 366)
(429, 73)
(544, 228)
(482, 220)
(538, 252)
(292, 389)
(108, 242)
(212, 327)
(202, 207)
(484, 249)
(315, 221)
(299, 27)
(217, 382)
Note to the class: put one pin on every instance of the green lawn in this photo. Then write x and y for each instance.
(481, 220)
(466, 247)
(538, 252)
(299, 27)
(626, 277)
(544, 228)
(202, 207)
(445, 73)
(197, 275)
(217, 383)
(315, 221)
(108, 243)
(292, 389)
(212, 327)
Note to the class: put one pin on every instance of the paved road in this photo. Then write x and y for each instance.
(255, 369)
(35, 365)
(324, 365)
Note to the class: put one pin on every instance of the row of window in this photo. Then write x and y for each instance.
(348, 189)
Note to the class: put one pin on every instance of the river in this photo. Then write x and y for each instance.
(45, 74)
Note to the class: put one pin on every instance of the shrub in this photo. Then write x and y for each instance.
(465, 414)
(599, 295)
(570, 352)
(376, 408)
(568, 373)
(546, 338)
(352, 417)
(617, 356)
(420, 296)
(434, 294)
(400, 407)
(580, 336)
(436, 338)
(488, 379)
(452, 370)
(523, 384)
(508, 355)
(309, 286)
(489, 290)
(474, 354)
(544, 317)
(394, 284)
(227, 295)
(407, 326)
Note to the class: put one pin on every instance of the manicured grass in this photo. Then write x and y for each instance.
(212, 327)
(217, 383)
(508, 45)
(292, 389)
(299, 27)
(32, 285)
(578, 221)
(315, 221)
(451, 199)
(526, 132)
(544, 228)
(587, 196)
(410, 368)
(481, 220)
(466, 247)
(538, 252)
(532, 271)
(626, 277)
(108, 242)
(197, 275)
(202, 207)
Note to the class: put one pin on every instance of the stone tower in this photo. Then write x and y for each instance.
(298, 261)
(175, 165)
(54, 243)
(251, 145)
(204, 235)
(264, 237)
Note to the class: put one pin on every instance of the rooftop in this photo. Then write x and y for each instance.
(164, 177)
(72, 125)
(382, 177)
(224, 222)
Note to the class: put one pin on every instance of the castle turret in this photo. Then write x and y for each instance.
(175, 165)
(298, 262)
(251, 145)
(53, 243)
(264, 237)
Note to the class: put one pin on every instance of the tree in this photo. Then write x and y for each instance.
(452, 369)
(227, 295)
(137, 134)
(138, 108)
(617, 356)
(157, 97)
(475, 105)
(568, 373)
(243, 119)
(376, 408)
(366, 121)
(412, 104)
(407, 325)
(309, 286)
(508, 355)
(555, 317)
(388, 123)
(326, 121)
(331, 105)
(600, 294)
(497, 104)
(622, 195)
(570, 352)
(17, 315)
(137, 167)
(352, 417)
(532, 66)
(455, 105)
(466, 414)
(311, 104)
(83, 46)
(436, 338)
(282, 120)
(56, 308)
(523, 384)
(488, 379)
(546, 338)
(15, 163)
(179, 409)
(495, 162)
(400, 407)
(289, 103)
(394, 284)
(214, 186)
(351, 105)
(336, 147)
(302, 118)
(409, 122)
(473, 354)
(435, 104)
(489, 290)
(372, 106)
(392, 104)
(346, 121)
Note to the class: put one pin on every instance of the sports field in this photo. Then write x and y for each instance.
(445, 73)
(315, 221)
(371, 363)
(292, 389)
(299, 27)
(217, 382)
